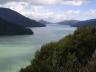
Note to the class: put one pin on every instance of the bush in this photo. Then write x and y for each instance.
(70, 54)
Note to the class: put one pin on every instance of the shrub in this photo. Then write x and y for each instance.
(70, 54)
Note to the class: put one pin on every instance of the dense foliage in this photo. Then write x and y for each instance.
(8, 28)
(74, 53)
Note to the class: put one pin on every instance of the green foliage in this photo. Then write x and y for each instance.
(70, 54)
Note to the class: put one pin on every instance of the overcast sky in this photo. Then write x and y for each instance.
(53, 10)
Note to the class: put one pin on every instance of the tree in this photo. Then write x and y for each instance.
(70, 54)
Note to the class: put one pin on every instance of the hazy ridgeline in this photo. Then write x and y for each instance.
(73, 53)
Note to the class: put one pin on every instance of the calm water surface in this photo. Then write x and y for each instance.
(17, 51)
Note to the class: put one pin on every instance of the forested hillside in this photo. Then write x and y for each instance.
(73, 53)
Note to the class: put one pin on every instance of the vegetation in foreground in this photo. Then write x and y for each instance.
(74, 53)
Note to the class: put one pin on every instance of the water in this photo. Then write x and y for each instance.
(17, 51)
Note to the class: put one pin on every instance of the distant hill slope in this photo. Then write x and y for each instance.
(7, 28)
(16, 18)
(91, 22)
(68, 22)
(76, 23)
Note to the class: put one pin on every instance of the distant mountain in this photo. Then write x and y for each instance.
(45, 22)
(91, 22)
(76, 23)
(8, 28)
(68, 22)
(16, 18)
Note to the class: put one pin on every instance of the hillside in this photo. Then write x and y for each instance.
(68, 22)
(45, 22)
(72, 53)
(7, 28)
(91, 22)
(16, 18)
(76, 23)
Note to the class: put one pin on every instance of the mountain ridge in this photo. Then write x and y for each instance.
(16, 18)
(76, 23)
(90, 22)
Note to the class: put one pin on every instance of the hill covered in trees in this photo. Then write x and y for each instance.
(7, 28)
(91, 22)
(73, 53)
(76, 23)
(16, 18)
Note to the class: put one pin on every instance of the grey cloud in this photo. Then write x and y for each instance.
(46, 2)
(6, 1)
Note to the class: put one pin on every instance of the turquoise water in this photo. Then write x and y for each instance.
(16, 52)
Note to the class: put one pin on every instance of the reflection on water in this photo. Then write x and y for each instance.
(17, 51)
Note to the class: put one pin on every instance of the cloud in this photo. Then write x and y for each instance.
(13, 5)
(74, 2)
(44, 12)
(22, 7)
(55, 16)
(40, 12)
(91, 13)
(48, 2)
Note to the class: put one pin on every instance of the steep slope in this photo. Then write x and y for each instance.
(70, 54)
(7, 28)
(16, 18)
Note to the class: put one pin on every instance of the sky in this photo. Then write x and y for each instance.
(53, 10)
